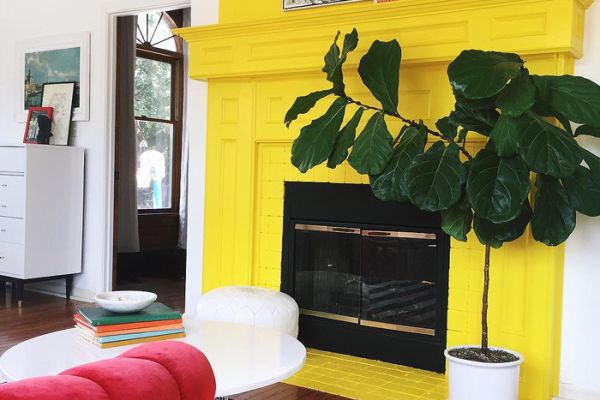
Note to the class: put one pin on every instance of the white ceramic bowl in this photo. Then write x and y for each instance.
(125, 301)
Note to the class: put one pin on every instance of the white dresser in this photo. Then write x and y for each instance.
(41, 214)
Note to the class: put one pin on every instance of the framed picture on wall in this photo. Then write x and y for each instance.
(60, 97)
(39, 125)
(53, 59)
(298, 4)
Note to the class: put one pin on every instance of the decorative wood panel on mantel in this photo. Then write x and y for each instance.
(256, 68)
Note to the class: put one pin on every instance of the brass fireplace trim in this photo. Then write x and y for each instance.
(400, 234)
(326, 228)
(327, 315)
(399, 328)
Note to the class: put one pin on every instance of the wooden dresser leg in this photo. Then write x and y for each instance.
(69, 286)
(18, 288)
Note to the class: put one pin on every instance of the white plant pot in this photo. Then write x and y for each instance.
(472, 380)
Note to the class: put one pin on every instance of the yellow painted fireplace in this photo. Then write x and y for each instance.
(258, 59)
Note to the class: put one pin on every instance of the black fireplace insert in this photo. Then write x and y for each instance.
(370, 277)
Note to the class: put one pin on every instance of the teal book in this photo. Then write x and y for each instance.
(98, 316)
(128, 336)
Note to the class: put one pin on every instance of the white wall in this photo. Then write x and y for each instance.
(36, 18)
(580, 365)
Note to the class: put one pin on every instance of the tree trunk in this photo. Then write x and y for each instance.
(484, 308)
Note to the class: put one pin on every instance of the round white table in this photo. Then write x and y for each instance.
(243, 357)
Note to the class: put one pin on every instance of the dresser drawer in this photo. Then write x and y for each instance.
(12, 230)
(12, 159)
(11, 259)
(12, 196)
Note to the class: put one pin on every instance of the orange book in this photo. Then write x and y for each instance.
(126, 331)
(132, 341)
(118, 327)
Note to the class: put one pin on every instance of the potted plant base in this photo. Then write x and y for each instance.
(474, 374)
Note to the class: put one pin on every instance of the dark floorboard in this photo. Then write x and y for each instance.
(42, 314)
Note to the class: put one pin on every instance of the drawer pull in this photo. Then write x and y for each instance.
(3, 206)
(2, 230)
(4, 185)
(2, 257)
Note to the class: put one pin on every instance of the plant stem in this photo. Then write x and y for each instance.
(484, 308)
(411, 123)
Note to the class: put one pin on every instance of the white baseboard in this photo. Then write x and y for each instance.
(572, 392)
(57, 288)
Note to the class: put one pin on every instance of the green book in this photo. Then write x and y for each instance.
(98, 316)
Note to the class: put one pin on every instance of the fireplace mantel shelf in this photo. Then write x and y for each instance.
(428, 31)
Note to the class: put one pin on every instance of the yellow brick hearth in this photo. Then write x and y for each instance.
(255, 69)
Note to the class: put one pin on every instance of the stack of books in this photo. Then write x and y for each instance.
(108, 329)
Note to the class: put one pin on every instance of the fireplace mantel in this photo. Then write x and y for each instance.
(427, 31)
(255, 70)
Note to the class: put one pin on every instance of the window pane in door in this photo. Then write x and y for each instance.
(155, 164)
(152, 89)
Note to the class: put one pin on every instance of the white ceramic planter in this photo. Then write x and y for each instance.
(471, 380)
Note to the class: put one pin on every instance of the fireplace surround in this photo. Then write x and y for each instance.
(370, 277)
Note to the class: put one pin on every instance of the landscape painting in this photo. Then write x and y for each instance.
(51, 66)
(296, 4)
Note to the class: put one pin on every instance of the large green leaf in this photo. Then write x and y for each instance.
(379, 70)
(497, 186)
(457, 220)
(575, 97)
(547, 149)
(435, 178)
(583, 192)
(479, 74)
(588, 130)
(518, 96)
(372, 149)
(304, 104)
(593, 162)
(475, 120)
(316, 140)
(344, 140)
(391, 184)
(554, 217)
(505, 136)
(446, 127)
(334, 59)
(496, 234)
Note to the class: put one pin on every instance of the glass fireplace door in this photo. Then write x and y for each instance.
(399, 273)
(327, 271)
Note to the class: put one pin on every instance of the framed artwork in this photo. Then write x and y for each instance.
(297, 4)
(60, 97)
(54, 59)
(38, 128)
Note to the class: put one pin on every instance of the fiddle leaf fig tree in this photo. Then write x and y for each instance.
(524, 119)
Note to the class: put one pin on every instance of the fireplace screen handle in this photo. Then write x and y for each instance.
(404, 235)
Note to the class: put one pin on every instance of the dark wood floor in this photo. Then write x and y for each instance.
(42, 314)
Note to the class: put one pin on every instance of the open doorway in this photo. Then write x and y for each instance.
(151, 156)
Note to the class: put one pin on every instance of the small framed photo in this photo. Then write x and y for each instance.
(38, 128)
(59, 96)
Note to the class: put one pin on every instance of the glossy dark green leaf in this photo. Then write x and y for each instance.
(554, 217)
(481, 121)
(372, 149)
(304, 104)
(575, 97)
(593, 162)
(583, 192)
(457, 220)
(479, 74)
(316, 140)
(547, 149)
(497, 234)
(379, 70)
(435, 178)
(446, 128)
(505, 136)
(344, 140)
(497, 186)
(350, 42)
(588, 131)
(391, 184)
(518, 96)
(475, 104)
(334, 60)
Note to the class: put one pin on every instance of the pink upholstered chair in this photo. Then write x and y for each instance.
(167, 370)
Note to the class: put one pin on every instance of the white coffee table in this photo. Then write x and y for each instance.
(243, 357)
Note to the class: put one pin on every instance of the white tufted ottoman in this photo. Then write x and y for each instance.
(252, 306)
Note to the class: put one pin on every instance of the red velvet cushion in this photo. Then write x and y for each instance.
(129, 378)
(188, 366)
(53, 387)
